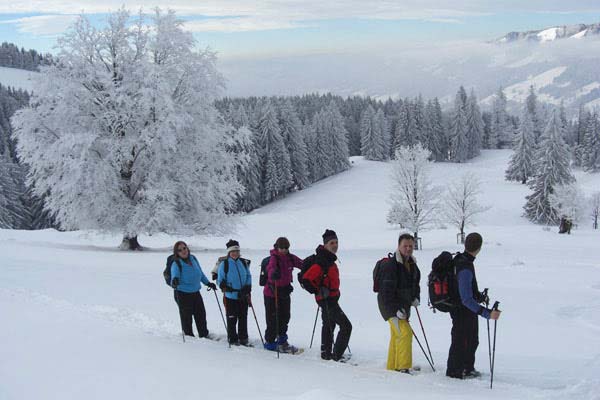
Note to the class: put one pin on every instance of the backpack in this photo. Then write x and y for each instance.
(262, 278)
(305, 283)
(442, 283)
(245, 263)
(167, 271)
(377, 270)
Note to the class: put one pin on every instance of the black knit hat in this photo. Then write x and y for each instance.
(232, 245)
(329, 235)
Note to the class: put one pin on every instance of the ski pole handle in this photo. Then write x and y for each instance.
(495, 307)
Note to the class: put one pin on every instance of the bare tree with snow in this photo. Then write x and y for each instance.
(595, 208)
(122, 134)
(569, 202)
(461, 205)
(413, 199)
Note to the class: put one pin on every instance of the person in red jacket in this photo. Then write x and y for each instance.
(324, 276)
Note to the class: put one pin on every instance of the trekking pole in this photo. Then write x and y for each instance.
(487, 304)
(494, 308)
(276, 321)
(178, 306)
(422, 349)
(424, 335)
(220, 310)
(257, 326)
(314, 326)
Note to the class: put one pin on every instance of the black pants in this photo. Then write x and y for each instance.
(277, 315)
(191, 305)
(465, 340)
(237, 320)
(332, 315)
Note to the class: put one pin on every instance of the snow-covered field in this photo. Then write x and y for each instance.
(17, 78)
(81, 319)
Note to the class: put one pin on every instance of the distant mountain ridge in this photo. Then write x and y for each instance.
(577, 31)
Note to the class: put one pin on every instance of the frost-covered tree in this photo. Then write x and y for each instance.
(461, 202)
(501, 128)
(521, 166)
(437, 142)
(291, 130)
(339, 138)
(595, 208)
(276, 170)
(552, 168)
(240, 145)
(459, 146)
(591, 145)
(372, 143)
(532, 108)
(474, 126)
(11, 215)
(122, 134)
(406, 131)
(413, 199)
(384, 127)
(569, 202)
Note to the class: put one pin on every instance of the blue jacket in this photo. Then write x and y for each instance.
(238, 276)
(465, 288)
(191, 275)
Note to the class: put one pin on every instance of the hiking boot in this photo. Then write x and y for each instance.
(404, 371)
(245, 343)
(325, 356)
(272, 346)
(287, 348)
(472, 374)
(234, 342)
(342, 359)
(455, 375)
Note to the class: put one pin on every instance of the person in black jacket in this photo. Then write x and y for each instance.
(465, 326)
(399, 289)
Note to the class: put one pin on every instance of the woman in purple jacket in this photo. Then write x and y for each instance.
(280, 265)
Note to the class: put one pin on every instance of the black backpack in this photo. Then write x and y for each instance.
(305, 283)
(377, 270)
(262, 279)
(167, 271)
(245, 263)
(442, 283)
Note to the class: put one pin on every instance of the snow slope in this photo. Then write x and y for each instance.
(17, 78)
(82, 319)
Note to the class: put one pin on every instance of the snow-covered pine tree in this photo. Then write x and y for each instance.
(591, 145)
(413, 199)
(239, 117)
(459, 146)
(322, 164)
(384, 126)
(122, 134)
(310, 138)
(437, 140)
(339, 137)
(291, 130)
(474, 126)
(521, 166)
(276, 170)
(405, 129)
(532, 107)
(595, 209)
(11, 208)
(461, 205)
(371, 136)
(552, 168)
(501, 131)
(420, 127)
(580, 131)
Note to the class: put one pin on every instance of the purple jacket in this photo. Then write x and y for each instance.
(286, 264)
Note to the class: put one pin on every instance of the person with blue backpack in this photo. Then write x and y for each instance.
(234, 278)
(187, 279)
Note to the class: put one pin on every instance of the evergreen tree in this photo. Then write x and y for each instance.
(384, 128)
(533, 111)
(551, 169)
(372, 141)
(520, 167)
(501, 132)
(339, 139)
(405, 129)
(580, 133)
(291, 130)
(437, 142)
(459, 146)
(591, 148)
(474, 126)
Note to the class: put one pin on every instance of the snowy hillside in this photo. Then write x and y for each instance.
(83, 320)
(577, 31)
(17, 78)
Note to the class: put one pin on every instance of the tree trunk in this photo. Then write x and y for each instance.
(130, 243)
(416, 240)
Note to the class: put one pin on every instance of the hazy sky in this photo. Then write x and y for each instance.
(255, 29)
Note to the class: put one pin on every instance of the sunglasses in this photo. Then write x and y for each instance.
(180, 249)
(284, 248)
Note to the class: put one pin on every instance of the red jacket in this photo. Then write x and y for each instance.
(324, 261)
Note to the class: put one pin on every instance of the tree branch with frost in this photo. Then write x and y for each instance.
(460, 203)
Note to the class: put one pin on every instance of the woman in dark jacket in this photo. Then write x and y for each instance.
(187, 278)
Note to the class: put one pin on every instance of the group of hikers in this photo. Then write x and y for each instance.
(396, 281)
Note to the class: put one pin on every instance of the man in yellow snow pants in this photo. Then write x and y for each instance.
(400, 351)
(396, 281)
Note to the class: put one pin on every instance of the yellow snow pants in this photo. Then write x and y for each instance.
(400, 351)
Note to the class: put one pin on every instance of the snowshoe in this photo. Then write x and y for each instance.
(289, 349)
(472, 374)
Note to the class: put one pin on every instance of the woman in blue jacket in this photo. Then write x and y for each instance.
(233, 277)
(187, 278)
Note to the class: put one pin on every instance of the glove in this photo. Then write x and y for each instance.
(175, 283)
(416, 303)
(245, 291)
(324, 292)
(276, 275)
(401, 314)
(214, 276)
(211, 286)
